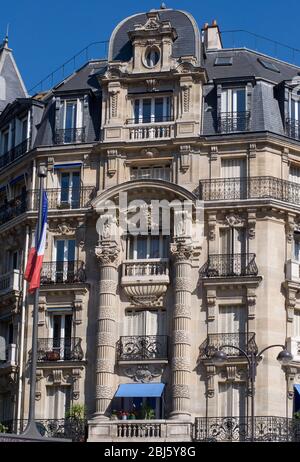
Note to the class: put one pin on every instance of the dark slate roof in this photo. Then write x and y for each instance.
(13, 81)
(187, 43)
(245, 63)
(84, 78)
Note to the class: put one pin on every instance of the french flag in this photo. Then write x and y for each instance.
(36, 254)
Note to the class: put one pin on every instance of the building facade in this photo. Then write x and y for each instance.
(128, 324)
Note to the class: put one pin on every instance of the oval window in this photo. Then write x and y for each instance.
(152, 57)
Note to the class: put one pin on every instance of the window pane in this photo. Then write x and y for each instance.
(141, 247)
(71, 115)
(24, 129)
(154, 247)
(71, 249)
(136, 110)
(75, 199)
(240, 100)
(159, 107)
(60, 250)
(147, 110)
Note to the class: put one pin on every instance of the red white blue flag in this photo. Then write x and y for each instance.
(36, 254)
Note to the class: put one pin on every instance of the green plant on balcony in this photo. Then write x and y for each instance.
(76, 412)
(297, 415)
(147, 412)
(3, 428)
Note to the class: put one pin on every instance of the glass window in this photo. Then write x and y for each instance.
(24, 129)
(58, 401)
(160, 172)
(233, 100)
(5, 142)
(70, 189)
(148, 110)
(71, 112)
(297, 246)
(152, 57)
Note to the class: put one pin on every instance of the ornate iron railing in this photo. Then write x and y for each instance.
(229, 265)
(229, 429)
(66, 272)
(59, 349)
(230, 122)
(14, 153)
(13, 208)
(213, 342)
(292, 128)
(66, 198)
(148, 267)
(138, 430)
(69, 136)
(257, 187)
(74, 429)
(139, 347)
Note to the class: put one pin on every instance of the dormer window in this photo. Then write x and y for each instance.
(71, 122)
(293, 120)
(152, 56)
(234, 116)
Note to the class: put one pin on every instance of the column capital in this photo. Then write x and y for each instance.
(107, 252)
(181, 249)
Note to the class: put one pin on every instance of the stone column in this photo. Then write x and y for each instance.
(107, 253)
(181, 251)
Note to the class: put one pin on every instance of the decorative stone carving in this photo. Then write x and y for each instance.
(114, 103)
(38, 391)
(210, 381)
(181, 364)
(106, 365)
(150, 152)
(290, 227)
(78, 305)
(107, 252)
(186, 97)
(290, 373)
(212, 223)
(181, 336)
(285, 155)
(214, 153)
(211, 300)
(234, 220)
(181, 249)
(230, 372)
(152, 84)
(185, 157)
(252, 150)
(65, 229)
(112, 155)
(104, 392)
(290, 301)
(41, 310)
(144, 373)
(251, 223)
(106, 339)
(251, 302)
(76, 375)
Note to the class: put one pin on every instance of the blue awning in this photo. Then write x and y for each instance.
(69, 165)
(297, 397)
(140, 390)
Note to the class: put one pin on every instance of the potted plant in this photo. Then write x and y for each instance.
(131, 415)
(297, 415)
(52, 355)
(148, 412)
(76, 422)
(3, 428)
(124, 415)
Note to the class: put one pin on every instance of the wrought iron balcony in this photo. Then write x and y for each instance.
(70, 135)
(292, 128)
(213, 342)
(257, 187)
(230, 122)
(59, 349)
(74, 429)
(13, 208)
(229, 265)
(63, 272)
(14, 153)
(142, 347)
(229, 429)
(66, 198)
(10, 282)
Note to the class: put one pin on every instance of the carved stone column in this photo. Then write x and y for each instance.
(181, 251)
(107, 253)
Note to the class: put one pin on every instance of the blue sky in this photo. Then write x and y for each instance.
(45, 34)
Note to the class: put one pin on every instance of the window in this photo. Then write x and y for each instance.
(65, 260)
(232, 319)
(233, 240)
(58, 401)
(144, 322)
(223, 61)
(24, 126)
(268, 65)
(294, 174)
(297, 245)
(160, 172)
(144, 247)
(148, 110)
(5, 141)
(71, 120)
(70, 189)
(232, 400)
(60, 334)
(233, 100)
(152, 56)
(236, 170)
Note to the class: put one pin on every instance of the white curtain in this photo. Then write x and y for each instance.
(232, 399)
(232, 240)
(294, 174)
(58, 401)
(145, 322)
(232, 319)
(296, 324)
(233, 168)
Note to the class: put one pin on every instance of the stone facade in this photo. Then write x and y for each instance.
(114, 309)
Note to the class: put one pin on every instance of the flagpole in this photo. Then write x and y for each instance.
(31, 428)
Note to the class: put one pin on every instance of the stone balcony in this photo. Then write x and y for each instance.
(152, 131)
(145, 280)
(140, 431)
(292, 271)
(10, 282)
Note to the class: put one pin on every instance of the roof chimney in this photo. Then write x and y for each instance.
(212, 36)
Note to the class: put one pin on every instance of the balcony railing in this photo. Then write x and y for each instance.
(227, 429)
(142, 347)
(10, 282)
(14, 153)
(148, 267)
(70, 135)
(10, 356)
(139, 430)
(292, 128)
(229, 265)
(257, 187)
(67, 198)
(151, 131)
(63, 272)
(74, 429)
(13, 208)
(59, 349)
(230, 122)
(213, 342)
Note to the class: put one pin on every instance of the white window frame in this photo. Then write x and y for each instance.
(229, 99)
(148, 238)
(166, 169)
(152, 113)
(79, 112)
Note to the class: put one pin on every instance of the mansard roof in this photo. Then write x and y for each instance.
(188, 42)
